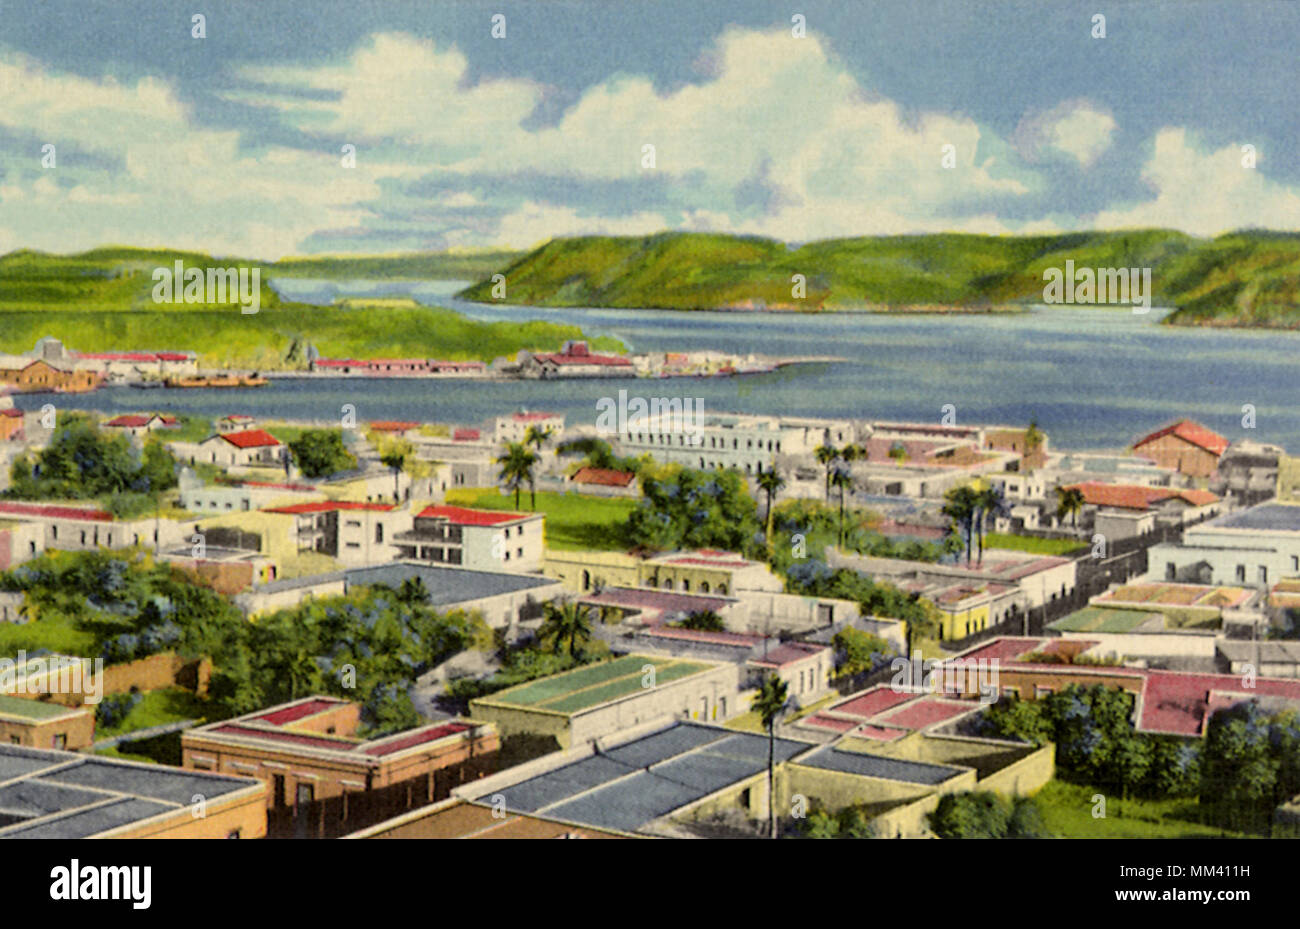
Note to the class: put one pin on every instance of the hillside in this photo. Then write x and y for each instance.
(102, 301)
(1247, 278)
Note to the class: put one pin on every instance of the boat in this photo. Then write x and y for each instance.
(218, 380)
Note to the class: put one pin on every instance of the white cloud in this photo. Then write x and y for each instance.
(1078, 129)
(1205, 193)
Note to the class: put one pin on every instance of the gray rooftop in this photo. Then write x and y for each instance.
(1268, 517)
(895, 769)
(632, 784)
(62, 795)
(447, 585)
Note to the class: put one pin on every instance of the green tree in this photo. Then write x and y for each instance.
(1069, 501)
(990, 503)
(842, 479)
(695, 509)
(321, 452)
(771, 702)
(961, 507)
(538, 436)
(771, 483)
(396, 458)
(517, 465)
(567, 622)
(857, 651)
(704, 621)
(826, 455)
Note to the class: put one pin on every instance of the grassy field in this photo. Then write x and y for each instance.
(1024, 543)
(574, 522)
(156, 708)
(51, 630)
(1067, 813)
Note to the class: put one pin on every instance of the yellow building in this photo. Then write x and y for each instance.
(584, 571)
(1288, 479)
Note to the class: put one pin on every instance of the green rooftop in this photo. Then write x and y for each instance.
(1102, 619)
(582, 688)
(33, 710)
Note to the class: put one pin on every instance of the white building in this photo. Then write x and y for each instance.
(486, 540)
(725, 440)
(514, 426)
(1255, 546)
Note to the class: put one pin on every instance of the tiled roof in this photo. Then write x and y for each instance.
(605, 477)
(250, 438)
(54, 511)
(1188, 431)
(1139, 496)
(464, 516)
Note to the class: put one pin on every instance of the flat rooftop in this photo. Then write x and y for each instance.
(1101, 619)
(288, 727)
(830, 758)
(46, 794)
(1267, 517)
(632, 784)
(35, 711)
(460, 819)
(583, 688)
(447, 585)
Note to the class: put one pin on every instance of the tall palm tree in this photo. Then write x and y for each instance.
(517, 466)
(1069, 501)
(567, 621)
(842, 479)
(395, 458)
(961, 507)
(770, 482)
(1033, 437)
(770, 703)
(825, 455)
(992, 503)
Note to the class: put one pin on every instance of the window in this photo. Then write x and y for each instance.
(15, 740)
(379, 532)
(1241, 573)
(306, 794)
(60, 741)
(1171, 571)
(1263, 574)
(278, 791)
(233, 834)
(519, 553)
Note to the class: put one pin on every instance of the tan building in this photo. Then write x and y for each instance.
(1185, 446)
(455, 818)
(37, 724)
(324, 779)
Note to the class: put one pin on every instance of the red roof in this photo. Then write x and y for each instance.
(585, 359)
(325, 506)
(340, 363)
(250, 438)
(129, 421)
(1138, 496)
(54, 511)
(464, 516)
(307, 708)
(1188, 431)
(392, 426)
(412, 739)
(466, 435)
(605, 477)
(11, 411)
(522, 417)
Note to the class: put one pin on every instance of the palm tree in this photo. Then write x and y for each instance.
(770, 703)
(1033, 437)
(395, 458)
(961, 507)
(770, 482)
(992, 503)
(842, 479)
(568, 620)
(1069, 501)
(825, 454)
(537, 436)
(517, 466)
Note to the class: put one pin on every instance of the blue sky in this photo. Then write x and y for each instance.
(233, 143)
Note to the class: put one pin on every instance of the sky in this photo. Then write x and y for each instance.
(378, 127)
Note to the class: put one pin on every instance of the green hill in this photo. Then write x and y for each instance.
(102, 300)
(1245, 278)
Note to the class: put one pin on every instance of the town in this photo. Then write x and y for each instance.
(534, 627)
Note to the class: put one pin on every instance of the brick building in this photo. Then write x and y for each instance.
(1185, 446)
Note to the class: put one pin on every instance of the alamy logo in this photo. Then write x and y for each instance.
(53, 675)
(1098, 285)
(217, 285)
(104, 882)
(657, 415)
(957, 677)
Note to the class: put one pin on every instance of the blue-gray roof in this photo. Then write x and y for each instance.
(1270, 517)
(629, 785)
(62, 795)
(447, 585)
(895, 769)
